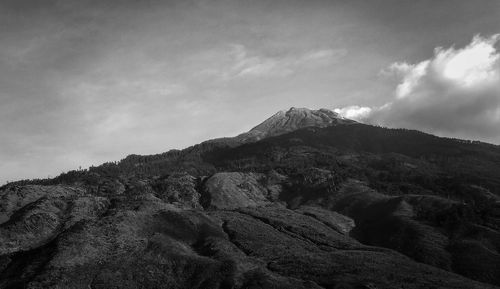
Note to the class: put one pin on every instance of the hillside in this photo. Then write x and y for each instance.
(304, 200)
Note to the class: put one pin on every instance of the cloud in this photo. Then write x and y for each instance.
(240, 62)
(455, 93)
(359, 113)
(247, 64)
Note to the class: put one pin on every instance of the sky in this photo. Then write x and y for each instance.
(83, 82)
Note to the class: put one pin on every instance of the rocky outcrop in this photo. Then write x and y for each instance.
(334, 220)
(36, 214)
(292, 244)
(179, 189)
(13, 199)
(231, 190)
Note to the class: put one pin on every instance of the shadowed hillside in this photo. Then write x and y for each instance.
(343, 205)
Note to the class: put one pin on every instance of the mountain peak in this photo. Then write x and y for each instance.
(293, 119)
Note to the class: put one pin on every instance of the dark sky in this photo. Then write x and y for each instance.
(83, 82)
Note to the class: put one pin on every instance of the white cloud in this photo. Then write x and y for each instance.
(354, 112)
(455, 93)
(475, 64)
(411, 75)
(246, 64)
(240, 62)
(322, 56)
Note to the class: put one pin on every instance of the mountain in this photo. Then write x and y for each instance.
(293, 119)
(304, 200)
(285, 121)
